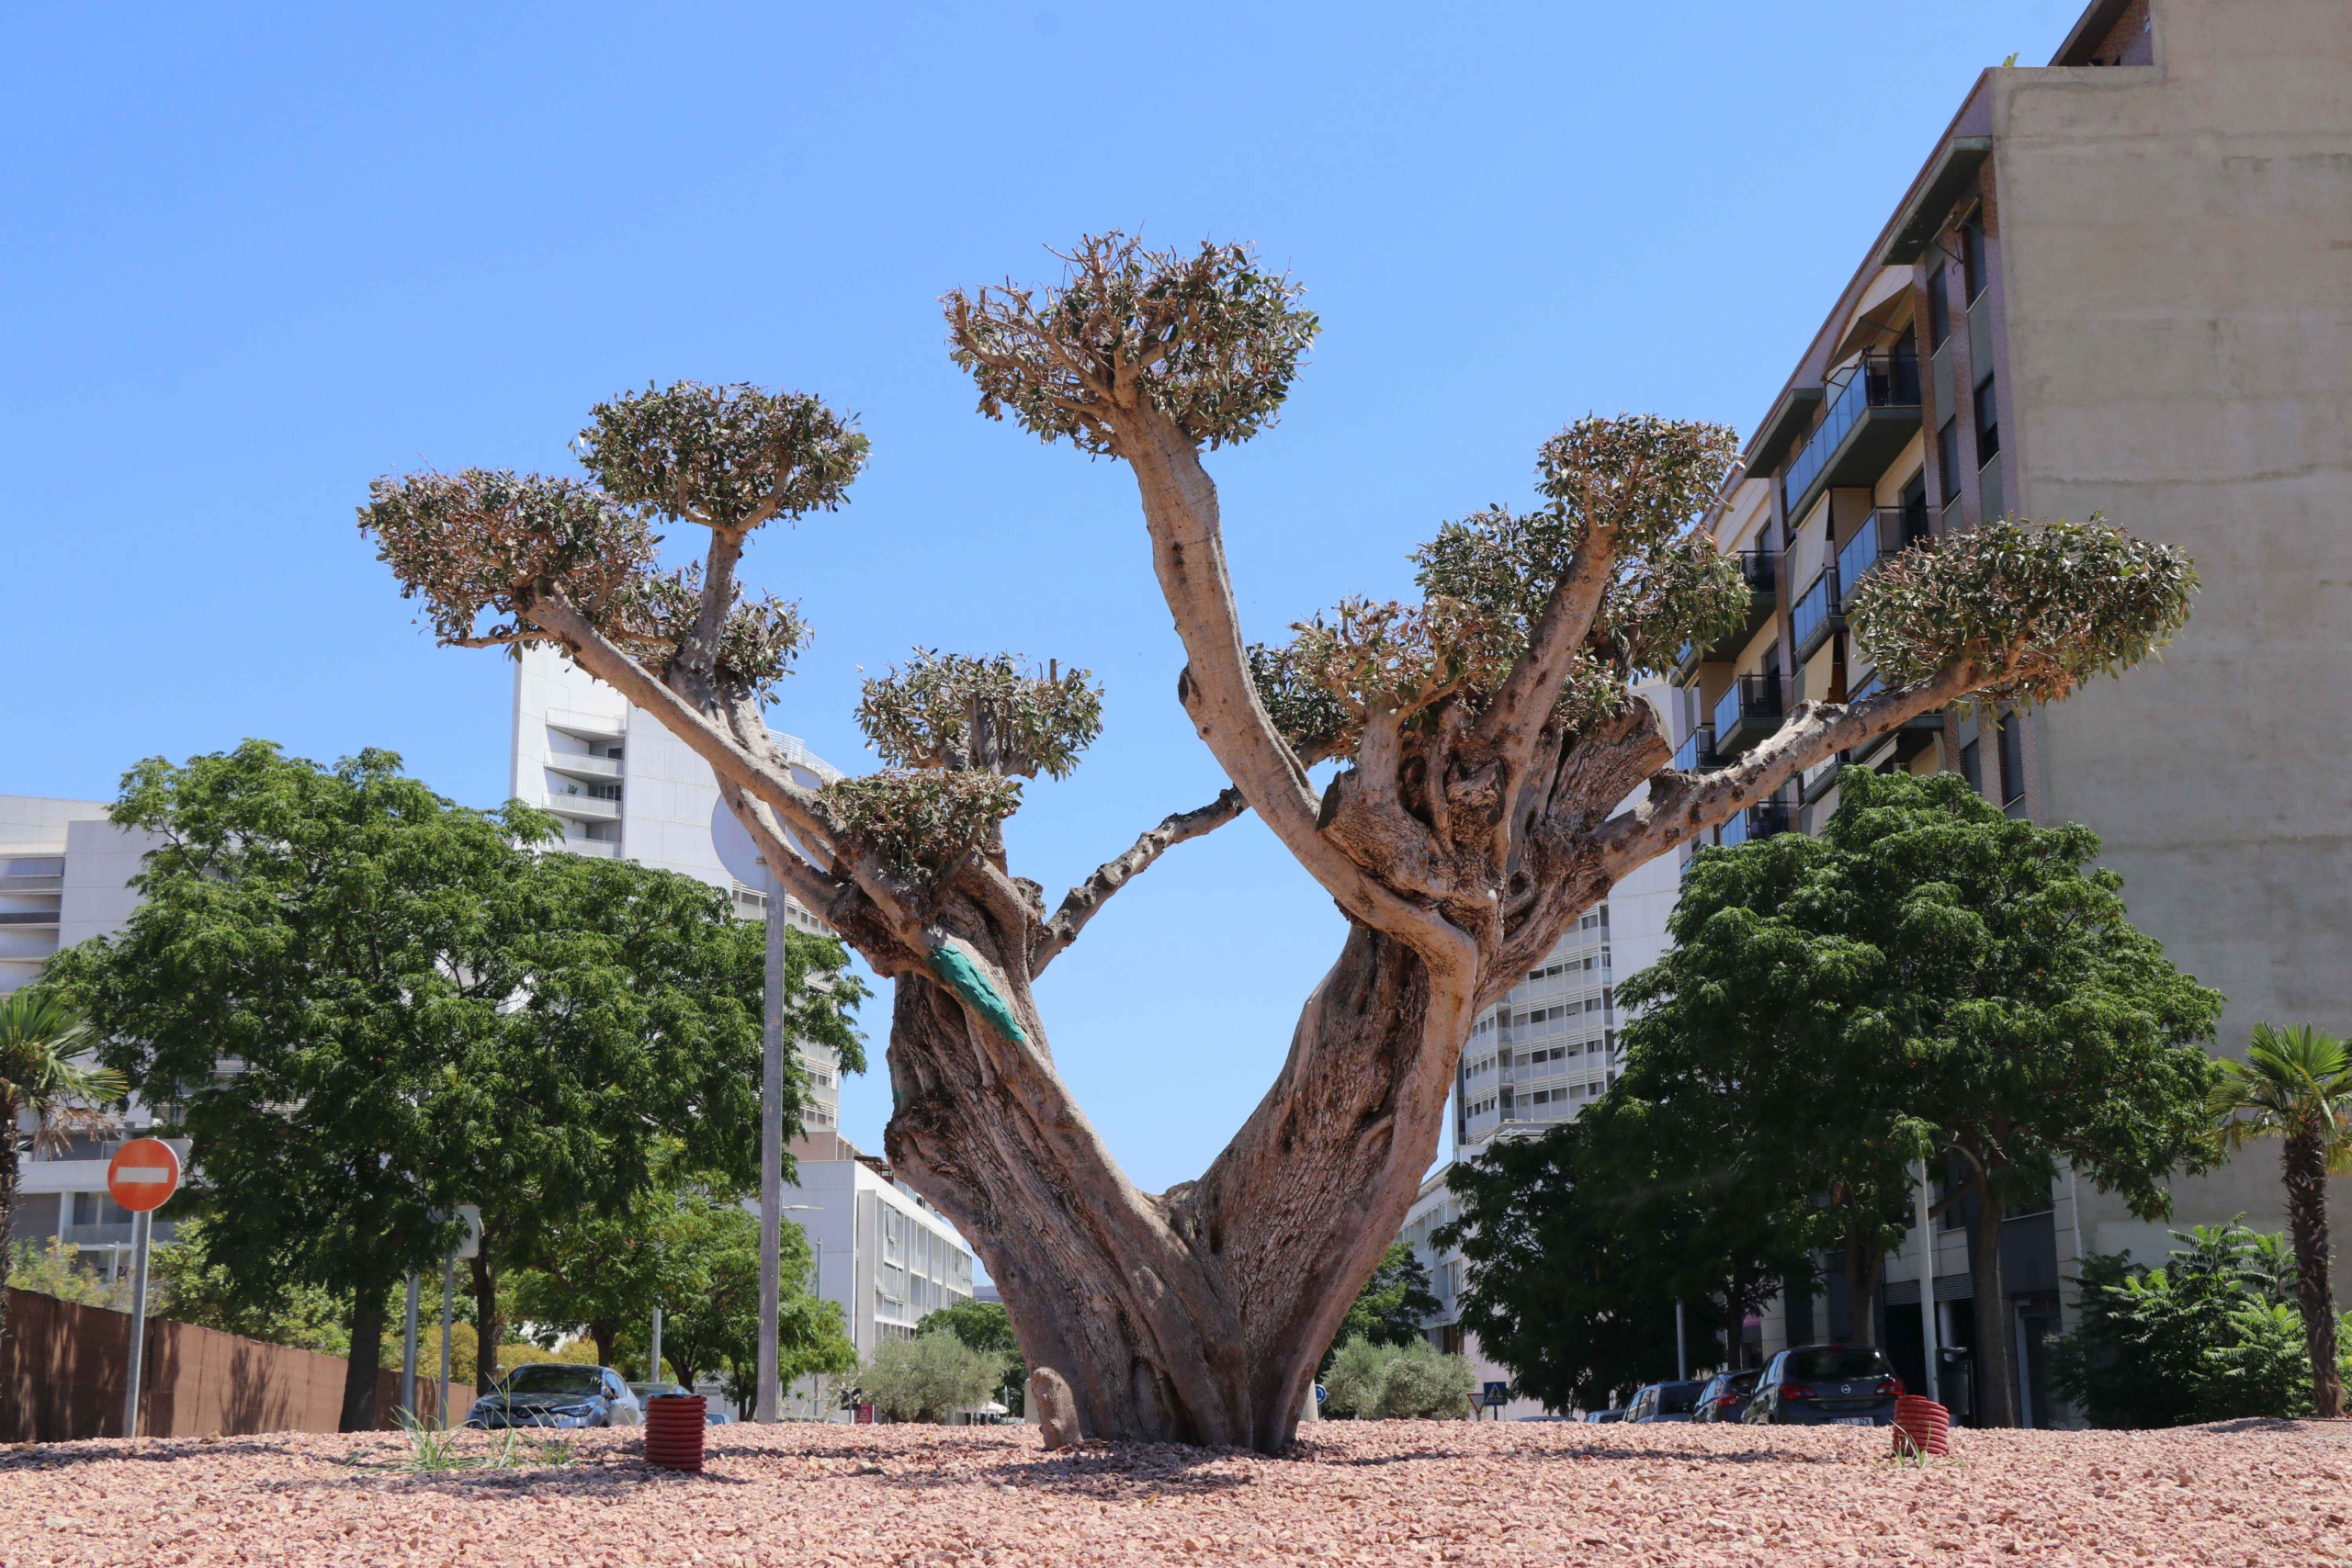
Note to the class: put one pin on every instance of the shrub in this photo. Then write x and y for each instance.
(928, 1377)
(1417, 1382)
(2211, 1335)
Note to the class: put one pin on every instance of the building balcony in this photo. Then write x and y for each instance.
(1697, 752)
(595, 848)
(1761, 820)
(1760, 569)
(1819, 612)
(1873, 411)
(587, 808)
(1913, 736)
(579, 765)
(33, 919)
(1748, 711)
(1886, 533)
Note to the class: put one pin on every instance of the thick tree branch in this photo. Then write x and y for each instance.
(1084, 900)
(1180, 508)
(733, 761)
(1514, 720)
(1693, 803)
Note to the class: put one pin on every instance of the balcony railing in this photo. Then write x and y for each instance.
(1748, 711)
(1697, 752)
(582, 766)
(1887, 532)
(1817, 614)
(1761, 820)
(1881, 380)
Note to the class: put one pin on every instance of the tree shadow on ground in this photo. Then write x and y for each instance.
(38, 1457)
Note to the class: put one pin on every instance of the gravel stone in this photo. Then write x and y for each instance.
(2256, 1493)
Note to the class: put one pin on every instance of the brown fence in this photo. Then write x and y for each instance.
(62, 1368)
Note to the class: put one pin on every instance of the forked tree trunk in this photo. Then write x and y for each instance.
(1863, 1261)
(2305, 1164)
(1198, 1314)
(487, 1326)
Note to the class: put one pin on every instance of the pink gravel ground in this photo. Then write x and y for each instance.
(2265, 1494)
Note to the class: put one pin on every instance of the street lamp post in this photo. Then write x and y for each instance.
(764, 1408)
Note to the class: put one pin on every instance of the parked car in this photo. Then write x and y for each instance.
(1663, 1401)
(1826, 1385)
(1606, 1417)
(558, 1394)
(1726, 1396)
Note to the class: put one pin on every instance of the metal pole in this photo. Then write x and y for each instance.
(142, 1226)
(653, 1372)
(449, 1314)
(771, 1156)
(1922, 1222)
(1681, 1357)
(408, 1353)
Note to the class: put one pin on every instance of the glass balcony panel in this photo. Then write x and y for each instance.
(1876, 380)
(1812, 615)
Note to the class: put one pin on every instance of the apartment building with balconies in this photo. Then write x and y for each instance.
(2119, 283)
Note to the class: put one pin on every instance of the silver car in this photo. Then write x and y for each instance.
(558, 1394)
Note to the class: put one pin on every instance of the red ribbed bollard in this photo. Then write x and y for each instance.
(1924, 1422)
(674, 1424)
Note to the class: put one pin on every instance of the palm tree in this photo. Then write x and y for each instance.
(2296, 1085)
(39, 1038)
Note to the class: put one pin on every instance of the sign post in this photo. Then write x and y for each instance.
(468, 1246)
(1494, 1396)
(142, 1175)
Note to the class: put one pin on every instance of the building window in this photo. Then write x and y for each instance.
(1989, 422)
(1971, 768)
(603, 792)
(1947, 458)
(1972, 254)
(1938, 310)
(2010, 739)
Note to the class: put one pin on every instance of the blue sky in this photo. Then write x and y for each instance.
(258, 256)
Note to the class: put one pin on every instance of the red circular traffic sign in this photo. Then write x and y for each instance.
(142, 1173)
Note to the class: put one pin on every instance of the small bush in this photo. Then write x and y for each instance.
(928, 1377)
(1390, 1383)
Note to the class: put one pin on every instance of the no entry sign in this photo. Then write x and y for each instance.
(142, 1173)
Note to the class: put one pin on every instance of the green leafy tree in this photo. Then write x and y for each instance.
(189, 1287)
(1929, 978)
(1416, 1382)
(2295, 1084)
(928, 1377)
(370, 1006)
(1579, 1243)
(42, 1077)
(1390, 1308)
(986, 1327)
(2211, 1336)
(1487, 735)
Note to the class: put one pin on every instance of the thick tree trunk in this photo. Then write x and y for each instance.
(2305, 1164)
(603, 1333)
(1197, 1315)
(8, 1201)
(1863, 1260)
(368, 1318)
(1995, 1393)
(487, 1326)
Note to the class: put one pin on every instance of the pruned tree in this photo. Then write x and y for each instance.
(1487, 738)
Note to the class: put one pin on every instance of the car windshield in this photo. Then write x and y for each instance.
(544, 1379)
(1838, 1364)
(1678, 1398)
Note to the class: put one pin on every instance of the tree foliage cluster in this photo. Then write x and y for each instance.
(986, 1327)
(366, 1006)
(928, 1377)
(1485, 737)
(1927, 980)
(2212, 1335)
(1412, 1381)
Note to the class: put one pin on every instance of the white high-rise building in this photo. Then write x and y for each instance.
(624, 787)
(64, 877)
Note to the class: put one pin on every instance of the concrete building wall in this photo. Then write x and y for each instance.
(2176, 240)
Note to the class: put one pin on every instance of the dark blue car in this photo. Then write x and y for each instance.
(1826, 1385)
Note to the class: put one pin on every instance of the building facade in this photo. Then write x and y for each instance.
(623, 787)
(2121, 283)
(65, 876)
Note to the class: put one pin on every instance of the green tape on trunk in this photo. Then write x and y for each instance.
(960, 972)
